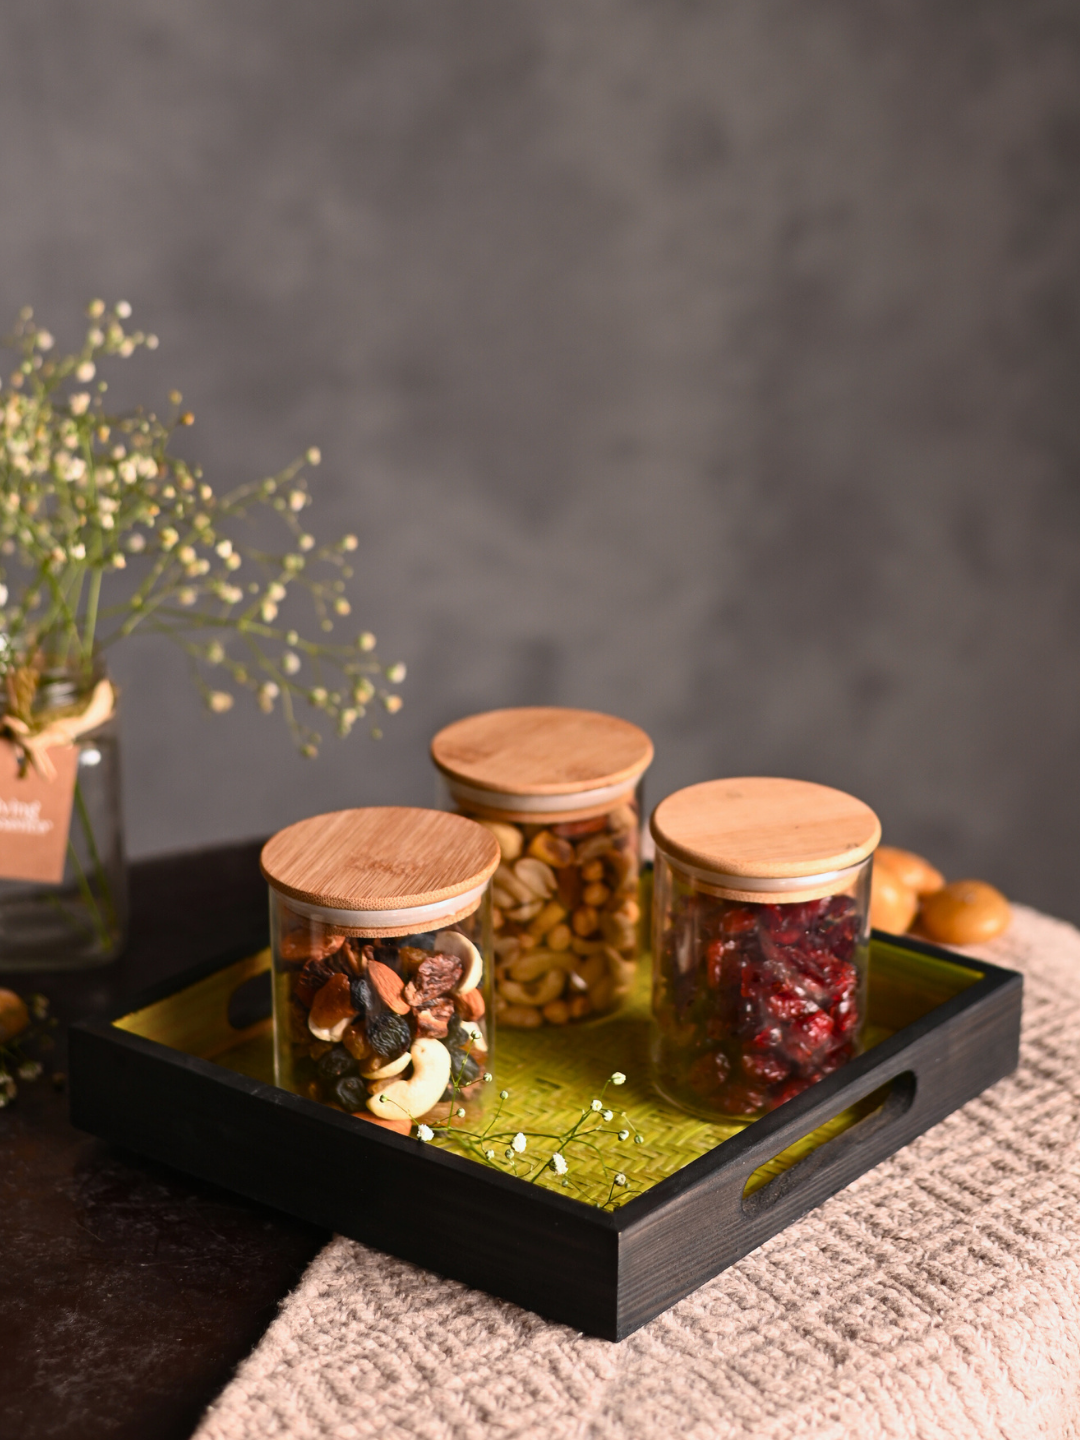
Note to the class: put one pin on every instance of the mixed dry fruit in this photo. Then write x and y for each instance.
(566, 917)
(389, 1030)
(754, 1003)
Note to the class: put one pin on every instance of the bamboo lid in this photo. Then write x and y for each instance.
(386, 857)
(542, 750)
(766, 828)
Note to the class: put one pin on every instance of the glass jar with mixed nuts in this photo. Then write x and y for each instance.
(761, 923)
(560, 791)
(381, 933)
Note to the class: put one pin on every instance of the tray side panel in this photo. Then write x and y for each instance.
(701, 1231)
(386, 1191)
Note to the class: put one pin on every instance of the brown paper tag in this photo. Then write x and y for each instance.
(35, 815)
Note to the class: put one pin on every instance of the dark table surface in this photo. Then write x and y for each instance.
(130, 1292)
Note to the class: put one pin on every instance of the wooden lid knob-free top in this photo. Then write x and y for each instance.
(387, 857)
(542, 750)
(759, 827)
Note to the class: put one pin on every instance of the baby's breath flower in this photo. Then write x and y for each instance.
(318, 696)
(607, 1115)
(290, 662)
(489, 1154)
(313, 455)
(215, 652)
(224, 548)
(618, 1078)
(187, 596)
(396, 673)
(297, 499)
(393, 703)
(508, 1153)
(219, 701)
(123, 309)
(349, 542)
(78, 551)
(624, 1134)
(268, 693)
(596, 1105)
(268, 611)
(620, 1179)
(488, 1077)
(276, 591)
(558, 1163)
(504, 1094)
(119, 563)
(30, 1070)
(519, 1142)
(168, 537)
(231, 594)
(233, 562)
(639, 1139)
(95, 309)
(85, 372)
(342, 607)
(425, 1133)
(136, 542)
(186, 554)
(306, 542)
(44, 341)
(80, 403)
(461, 1112)
(367, 641)
(3, 594)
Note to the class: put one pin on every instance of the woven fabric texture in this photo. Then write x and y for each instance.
(937, 1297)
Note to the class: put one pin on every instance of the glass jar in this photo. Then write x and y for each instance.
(761, 924)
(561, 792)
(63, 876)
(380, 927)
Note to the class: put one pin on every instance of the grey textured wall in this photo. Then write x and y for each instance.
(711, 363)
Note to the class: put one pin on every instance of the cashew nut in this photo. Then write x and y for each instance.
(540, 992)
(536, 877)
(452, 942)
(379, 1069)
(416, 1096)
(508, 836)
(539, 962)
(515, 885)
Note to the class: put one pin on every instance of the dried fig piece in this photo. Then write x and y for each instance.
(388, 984)
(310, 981)
(309, 944)
(435, 976)
(434, 1019)
(469, 1006)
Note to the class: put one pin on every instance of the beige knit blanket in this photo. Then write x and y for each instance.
(937, 1297)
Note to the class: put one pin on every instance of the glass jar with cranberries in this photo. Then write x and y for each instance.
(761, 931)
(380, 929)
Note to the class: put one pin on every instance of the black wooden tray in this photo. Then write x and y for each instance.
(165, 1079)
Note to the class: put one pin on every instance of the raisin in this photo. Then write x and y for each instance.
(351, 1092)
(435, 977)
(360, 991)
(389, 1035)
(336, 1063)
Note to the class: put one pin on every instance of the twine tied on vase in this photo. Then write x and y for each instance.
(34, 746)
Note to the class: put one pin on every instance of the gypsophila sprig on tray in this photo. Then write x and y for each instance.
(85, 494)
(553, 1157)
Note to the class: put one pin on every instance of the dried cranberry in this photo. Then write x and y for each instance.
(742, 1100)
(795, 1086)
(766, 1039)
(767, 1069)
(739, 921)
(708, 1073)
(786, 1003)
(809, 1036)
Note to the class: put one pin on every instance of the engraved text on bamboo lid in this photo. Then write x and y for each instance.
(387, 857)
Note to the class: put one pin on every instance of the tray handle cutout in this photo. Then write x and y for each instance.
(212, 1016)
(251, 1002)
(883, 1108)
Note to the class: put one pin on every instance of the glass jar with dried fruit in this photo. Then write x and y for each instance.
(761, 922)
(380, 925)
(561, 792)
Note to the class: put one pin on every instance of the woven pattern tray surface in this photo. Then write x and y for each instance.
(552, 1075)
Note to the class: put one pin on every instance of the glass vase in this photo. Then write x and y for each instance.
(80, 921)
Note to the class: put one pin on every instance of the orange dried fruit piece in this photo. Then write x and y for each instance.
(965, 913)
(892, 903)
(910, 869)
(332, 1009)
